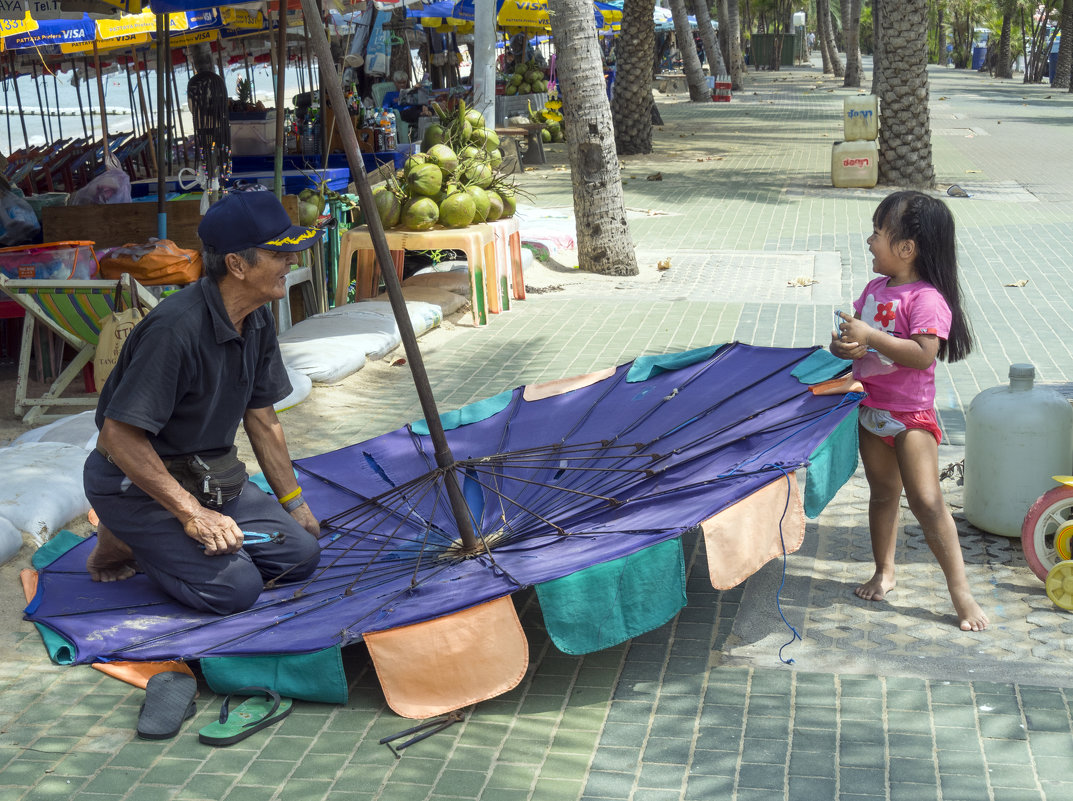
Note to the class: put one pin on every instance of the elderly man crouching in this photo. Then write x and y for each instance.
(172, 496)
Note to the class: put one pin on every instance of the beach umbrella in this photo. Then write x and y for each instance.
(518, 15)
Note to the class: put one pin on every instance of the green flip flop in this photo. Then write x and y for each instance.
(251, 715)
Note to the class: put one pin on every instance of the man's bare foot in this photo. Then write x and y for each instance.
(111, 560)
(970, 616)
(875, 589)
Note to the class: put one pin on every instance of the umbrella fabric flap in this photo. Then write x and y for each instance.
(831, 465)
(744, 537)
(438, 666)
(318, 676)
(607, 604)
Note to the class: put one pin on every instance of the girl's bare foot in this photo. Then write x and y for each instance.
(111, 560)
(970, 616)
(876, 588)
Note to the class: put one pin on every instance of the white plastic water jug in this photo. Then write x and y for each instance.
(860, 117)
(1016, 438)
(855, 164)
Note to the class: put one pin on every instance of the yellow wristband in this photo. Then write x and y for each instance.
(290, 496)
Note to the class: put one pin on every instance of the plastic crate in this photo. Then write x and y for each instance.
(51, 260)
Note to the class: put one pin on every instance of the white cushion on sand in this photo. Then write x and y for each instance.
(330, 346)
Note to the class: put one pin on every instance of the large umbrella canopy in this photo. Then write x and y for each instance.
(556, 478)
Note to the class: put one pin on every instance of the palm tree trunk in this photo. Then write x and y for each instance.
(724, 24)
(877, 47)
(851, 25)
(707, 35)
(631, 104)
(737, 63)
(603, 235)
(698, 87)
(1004, 65)
(1065, 49)
(822, 23)
(905, 136)
(832, 48)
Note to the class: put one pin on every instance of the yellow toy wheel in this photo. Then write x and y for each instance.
(1063, 541)
(1059, 584)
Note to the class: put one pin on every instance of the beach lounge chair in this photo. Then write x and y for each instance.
(73, 310)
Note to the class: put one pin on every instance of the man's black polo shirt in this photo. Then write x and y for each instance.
(186, 377)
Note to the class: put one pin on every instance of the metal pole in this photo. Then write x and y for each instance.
(161, 68)
(281, 88)
(7, 115)
(446, 461)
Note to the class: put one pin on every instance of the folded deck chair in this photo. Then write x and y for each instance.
(74, 311)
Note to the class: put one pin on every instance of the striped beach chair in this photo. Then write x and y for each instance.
(72, 310)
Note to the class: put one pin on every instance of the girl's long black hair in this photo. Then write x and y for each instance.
(910, 215)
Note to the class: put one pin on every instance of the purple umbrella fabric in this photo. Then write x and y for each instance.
(553, 486)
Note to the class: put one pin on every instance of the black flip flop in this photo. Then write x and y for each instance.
(169, 700)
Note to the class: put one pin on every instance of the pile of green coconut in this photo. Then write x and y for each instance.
(527, 78)
(455, 180)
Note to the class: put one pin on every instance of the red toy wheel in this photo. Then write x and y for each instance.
(1048, 514)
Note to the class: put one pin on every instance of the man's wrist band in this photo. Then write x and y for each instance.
(290, 496)
(293, 503)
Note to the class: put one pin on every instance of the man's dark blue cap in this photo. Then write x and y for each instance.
(243, 220)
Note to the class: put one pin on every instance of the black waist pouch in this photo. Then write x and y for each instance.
(213, 480)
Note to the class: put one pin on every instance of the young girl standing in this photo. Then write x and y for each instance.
(903, 320)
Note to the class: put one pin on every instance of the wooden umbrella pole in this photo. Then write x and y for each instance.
(89, 98)
(78, 91)
(56, 96)
(108, 160)
(145, 114)
(18, 99)
(7, 116)
(334, 89)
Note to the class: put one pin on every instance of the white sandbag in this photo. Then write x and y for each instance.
(301, 386)
(10, 540)
(76, 429)
(42, 487)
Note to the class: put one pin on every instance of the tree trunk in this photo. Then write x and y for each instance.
(822, 22)
(1004, 65)
(836, 62)
(603, 235)
(723, 27)
(1065, 48)
(707, 35)
(737, 63)
(877, 47)
(698, 87)
(905, 136)
(631, 104)
(851, 24)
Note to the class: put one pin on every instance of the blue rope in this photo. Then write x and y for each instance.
(782, 582)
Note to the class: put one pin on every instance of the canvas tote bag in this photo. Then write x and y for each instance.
(114, 330)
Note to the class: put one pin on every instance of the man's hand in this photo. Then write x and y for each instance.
(304, 515)
(218, 533)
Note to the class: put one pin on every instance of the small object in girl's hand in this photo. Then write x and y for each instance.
(398, 363)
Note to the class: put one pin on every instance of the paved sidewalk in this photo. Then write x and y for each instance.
(882, 701)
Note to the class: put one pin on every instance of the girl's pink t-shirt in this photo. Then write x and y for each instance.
(901, 311)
